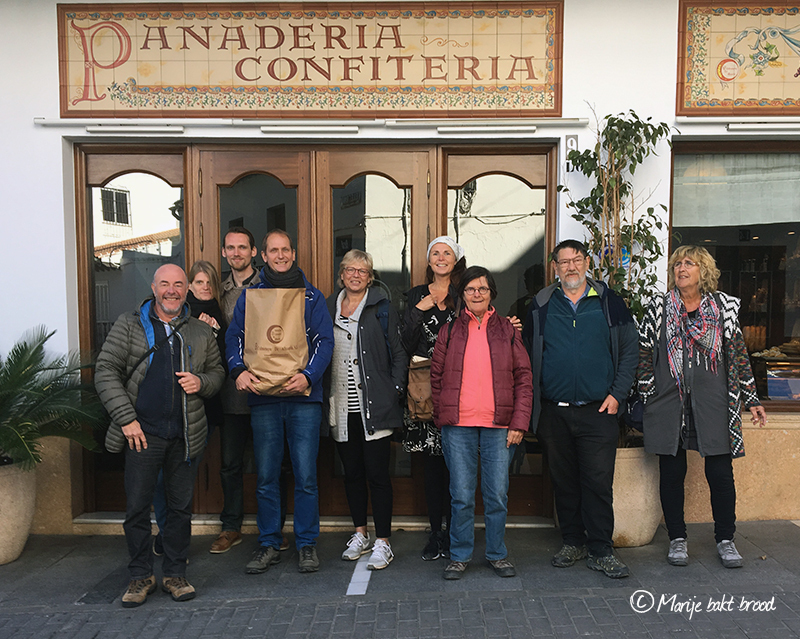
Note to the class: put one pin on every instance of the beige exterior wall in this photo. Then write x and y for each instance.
(766, 482)
(766, 477)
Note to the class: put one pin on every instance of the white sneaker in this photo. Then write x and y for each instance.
(728, 554)
(357, 546)
(382, 555)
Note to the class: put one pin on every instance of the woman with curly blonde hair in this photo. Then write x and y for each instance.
(694, 376)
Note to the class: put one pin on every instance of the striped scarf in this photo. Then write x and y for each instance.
(703, 335)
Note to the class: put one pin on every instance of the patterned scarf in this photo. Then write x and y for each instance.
(703, 335)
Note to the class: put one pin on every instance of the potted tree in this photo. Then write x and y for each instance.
(41, 395)
(624, 251)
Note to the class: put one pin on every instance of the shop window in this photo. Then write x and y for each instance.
(743, 207)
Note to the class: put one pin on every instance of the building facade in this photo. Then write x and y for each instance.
(144, 134)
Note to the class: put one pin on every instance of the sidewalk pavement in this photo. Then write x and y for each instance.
(69, 587)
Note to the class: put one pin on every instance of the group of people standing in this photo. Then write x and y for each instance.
(566, 376)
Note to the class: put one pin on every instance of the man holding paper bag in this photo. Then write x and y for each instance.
(279, 344)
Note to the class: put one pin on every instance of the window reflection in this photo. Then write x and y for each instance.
(500, 222)
(260, 203)
(372, 214)
(137, 226)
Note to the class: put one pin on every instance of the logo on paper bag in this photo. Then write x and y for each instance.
(275, 334)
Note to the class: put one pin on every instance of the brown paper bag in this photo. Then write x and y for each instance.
(275, 347)
(418, 397)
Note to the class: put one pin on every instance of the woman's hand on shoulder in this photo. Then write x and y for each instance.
(516, 322)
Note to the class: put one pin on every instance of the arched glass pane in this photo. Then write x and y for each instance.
(260, 203)
(372, 214)
(500, 222)
(137, 223)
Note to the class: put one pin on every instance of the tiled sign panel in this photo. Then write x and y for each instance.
(740, 58)
(293, 60)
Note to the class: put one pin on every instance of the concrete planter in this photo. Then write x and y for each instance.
(17, 505)
(637, 505)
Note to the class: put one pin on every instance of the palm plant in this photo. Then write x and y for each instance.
(42, 395)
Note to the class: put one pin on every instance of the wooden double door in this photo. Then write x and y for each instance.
(388, 200)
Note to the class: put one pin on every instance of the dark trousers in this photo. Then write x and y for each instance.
(437, 491)
(366, 463)
(141, 474)
(719, 475)
(581, 448)
(233, 434)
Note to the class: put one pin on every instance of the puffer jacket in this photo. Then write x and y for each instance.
(511, 373)
(382, 366)
(129, 339)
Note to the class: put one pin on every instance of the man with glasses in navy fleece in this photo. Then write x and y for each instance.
(584, 350)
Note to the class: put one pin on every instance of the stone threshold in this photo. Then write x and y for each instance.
(110, 523)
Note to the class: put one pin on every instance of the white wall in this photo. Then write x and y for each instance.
(617, 56)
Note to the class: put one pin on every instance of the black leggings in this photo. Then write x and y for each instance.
(367, 463)
(437, 491)
(719, 474)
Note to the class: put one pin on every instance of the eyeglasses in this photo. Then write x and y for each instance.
(352, 270)
(575, 261)
(687, 263)
(470, 290)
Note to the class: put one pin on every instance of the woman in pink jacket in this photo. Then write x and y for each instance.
(482, 395)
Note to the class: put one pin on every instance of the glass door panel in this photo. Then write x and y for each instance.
(137, 226)
(500, 222)
(372, 214)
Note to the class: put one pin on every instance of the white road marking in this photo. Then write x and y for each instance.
(360, 579)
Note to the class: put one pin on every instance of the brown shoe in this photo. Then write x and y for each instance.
(179, 588)
(137, 592)
(227, 539)
(284, 544)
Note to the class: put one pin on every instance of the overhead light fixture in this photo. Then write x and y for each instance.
(755, 237)
(116, 129)
(791, 232)
(310, 129)
(455, 130)
(764, 126)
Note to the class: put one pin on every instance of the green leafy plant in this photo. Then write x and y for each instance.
(619, 231)
(42, 395)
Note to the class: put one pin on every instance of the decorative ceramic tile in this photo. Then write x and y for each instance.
(413, 60)
(739, 58)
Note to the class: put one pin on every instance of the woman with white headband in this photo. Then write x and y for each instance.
(429, 307)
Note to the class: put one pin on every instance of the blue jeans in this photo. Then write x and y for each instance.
(299, 423)
(141, 474)
(461, 445)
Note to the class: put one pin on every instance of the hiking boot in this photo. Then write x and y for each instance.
(568, 555)
(433, 549)
(158, 545)
(503, 568)
(226, 540)
(728, 554)
(309, 562)
(137, 592)
(357, 546)
(609, 564)
(263, 558)
(382, 555)
(179, 588)
(455, 570)
(678, 554)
